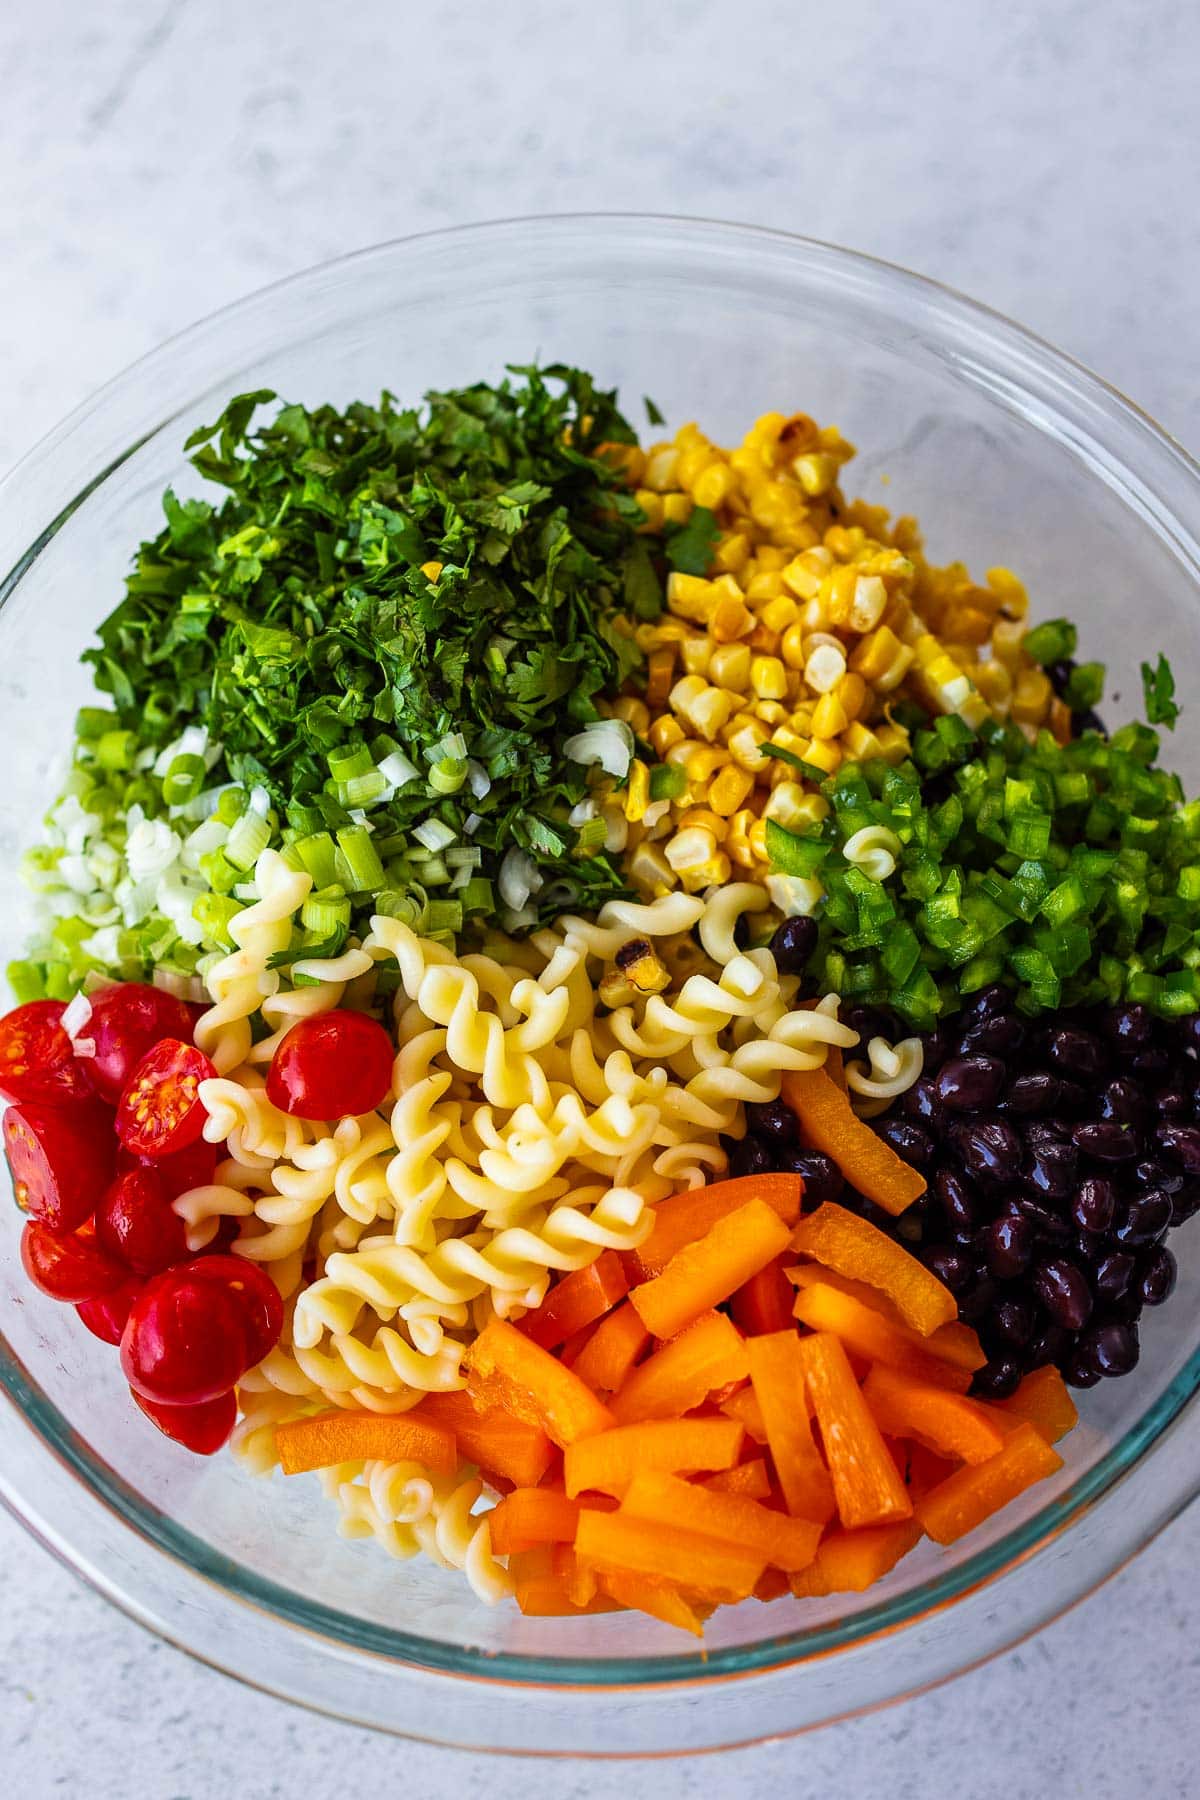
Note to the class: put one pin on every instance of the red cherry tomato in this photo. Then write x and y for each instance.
(255, 1295)
(203, 1428)
(184, 1340)
(135, 1222)
(330, 1065)
(68, 1266)
(191, 1168)
(161, 1110)
(61, 1159)
(37, 1058)
(105, 1318)
(127, 1020)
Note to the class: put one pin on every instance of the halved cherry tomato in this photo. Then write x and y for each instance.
(331, 1065)
(68, 1265)
(255, 1295)
(127, 1020)
(37, 1058)
(203, 1428)
(105, 1317)
(191, 1168)
(184, 1341)
(61, 1159)
(161, 1110)
(135, 1222)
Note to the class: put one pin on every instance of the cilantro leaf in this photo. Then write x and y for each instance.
(653, 416)
(690, 547)
(1158, 686)
(810, 770)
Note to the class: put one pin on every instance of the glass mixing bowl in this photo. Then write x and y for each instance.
(1007, 452)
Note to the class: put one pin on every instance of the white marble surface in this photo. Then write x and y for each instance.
(160, 157)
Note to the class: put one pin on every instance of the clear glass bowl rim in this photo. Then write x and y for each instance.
(995, 353)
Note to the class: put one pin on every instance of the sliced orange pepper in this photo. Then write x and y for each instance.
(336, 1437)
(843, 1241)
(764, 1303)
(576, 1301)
(543, 1592)
(948, 1423)
(707, 1271)
(965, 1499)
(1044, 1402)
(492, 1438)
(785, 1542)
(709, 1355)
(923, 1467)
(958, 1344)
(749, 1479)
(612, 1350)
(744, 1407)
(639, 1594)
(607, 1463)
(866, 1483)
(777, 1374)
(531, 1516)
(682, 1218)
(849, 1562)
(507, 1370)
(830, 1124)
(616, 1544)
(868, 1334)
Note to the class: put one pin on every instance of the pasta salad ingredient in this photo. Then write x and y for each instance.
(37, 1057)
(160, 1112)
(331, 1064)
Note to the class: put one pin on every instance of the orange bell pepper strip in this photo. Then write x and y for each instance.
(867, 1485)
(543, 1591)
(744, 1407)
(706, 1272)
(709, 1355)
(494, 1440)
(682, 1218)
(835, 1066)
(843, 1241)
(1042, 1400)
(576, 1301)
(607, 1463)
(638, 1594)
(749, 1479)
(829, 1123)
(618, 1544)
(764, 1303)
(506, 1369)
(849, 1562)
(777, 1375)
(336, 1437)
(612, 1350)
(971, 1495)
(949, 1424)
(866, 1333)
(957, 1344)
(784, 1542)
(531, 1516)
(923, 1467)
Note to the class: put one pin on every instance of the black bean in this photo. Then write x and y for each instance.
(970, 1083)
(1173, 1102)
(957, 1199)
(1182, 1144)
(1002, 1036)
(1128, 1309)
(793, 945)
(910, 1141)
(1050, 1345)
(1076, 1052)
(1189, 1032)
(1013, 1319)
(921, 1102)
(1106, 1140)
(1051, 1169)
(750, 1157)
(985, 1004)
(990, 1150)
(975, 1305)
(1063, 1290)
(936, 1046)
(869, 1022)
(1049, 1225)
(1112, 1274)
(1148, 1173)
(1130, 1028)
(1123, 1100)
(1111, 1348)
(1080, 1369)
(1185, 1202)
(822, 1178)
(998, 1378)
(1152, 1061)
(1059, 674)
(1032, 1094)
(1095, 1203)
(1008, 1246)
(1074, 1101)
(775, 1122)
(1156, 1274)
(951, 1265)
(1147, 1219)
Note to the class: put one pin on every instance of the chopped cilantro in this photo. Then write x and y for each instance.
(1158, 685)
(690, 547)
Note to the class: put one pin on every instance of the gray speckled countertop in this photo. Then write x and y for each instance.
(160, 157)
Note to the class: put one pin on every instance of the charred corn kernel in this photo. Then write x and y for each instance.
(695, 652)
(690, 849)
(793, 807)
(745, 746)
(995, 684)
(968, 625)
(711, 874)
(816, 472)
(764, 641)
(633, 711)
(701, 818)
(824, 753)
(731, 619)
(758, 840)
(851, 692)
(637, 793)
(766, 586)
(729, 790)
(779, 613)
(737, 839)
(714, 487)
(652, 507)
(881, 659)
(791, 646)
(664, 734)
(838, 591)
(699, 762)
(662, 468)
(732, 553)
(636, 972)
(729, 667)
(866, 607)
(859, 742)
(1059, 720)
(660, 670)
(1009, 591)
(690, 596)
(1031, 697)
(1008, 635)
(650, 872)
(432, 571)
(768, 677)
(824, 667)
(892, 740)
(829, 717)
(677, 509)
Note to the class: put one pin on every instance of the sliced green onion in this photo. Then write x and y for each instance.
(448, 775)
(116, 750)
(344, 765)
(364, 870)
(27, 981)
(434, 835)
(183, 780)
(444, 915)
(477, 896)
(247, 840)
(362, 790)
(326, 913)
